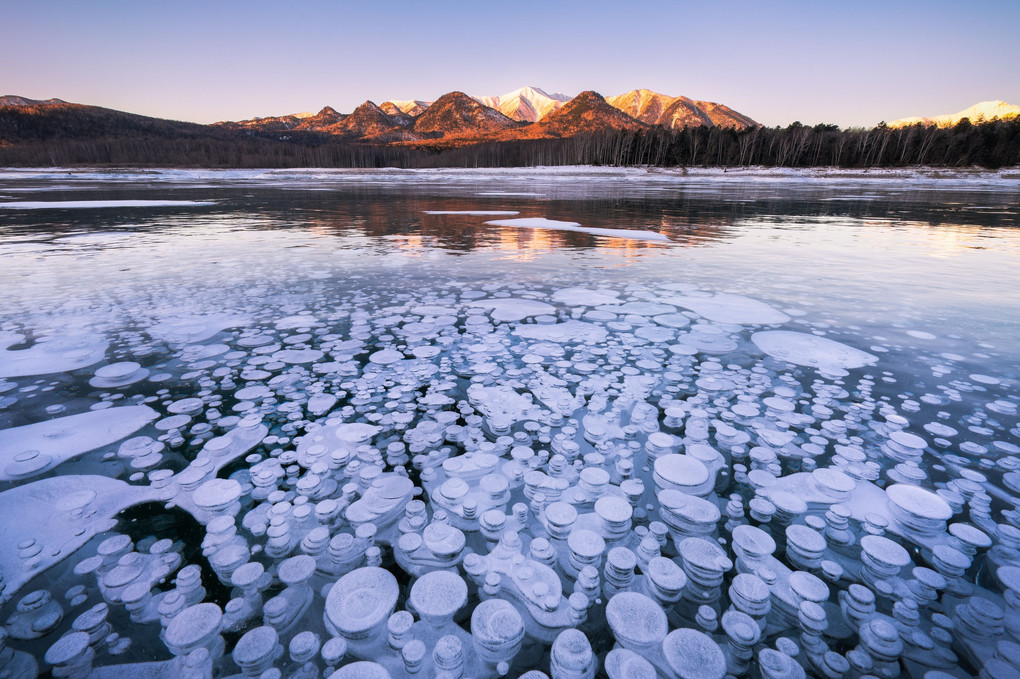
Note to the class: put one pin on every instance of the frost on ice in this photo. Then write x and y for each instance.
(512, 481)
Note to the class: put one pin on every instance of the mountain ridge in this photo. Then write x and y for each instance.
(981, 111)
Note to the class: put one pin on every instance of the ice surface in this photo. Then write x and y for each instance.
(543, 223)
(365, 465)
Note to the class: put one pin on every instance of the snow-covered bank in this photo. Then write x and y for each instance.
(914, 175)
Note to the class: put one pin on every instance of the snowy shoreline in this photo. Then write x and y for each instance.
(916, 175)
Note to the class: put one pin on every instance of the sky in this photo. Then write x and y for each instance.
(819, 61)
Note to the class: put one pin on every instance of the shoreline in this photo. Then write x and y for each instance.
(919, 174)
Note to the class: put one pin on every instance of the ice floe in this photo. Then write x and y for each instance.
(730, 308)
(33, 449)
(811, 350)
(49, 354)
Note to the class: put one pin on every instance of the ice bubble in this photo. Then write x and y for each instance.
(360, 601)
(118, 375)
(637, 622)
(694, 655)
(622, 663)
(386, 357)
(811, 350)
(672, 320)
(438, 595)
(572, 657)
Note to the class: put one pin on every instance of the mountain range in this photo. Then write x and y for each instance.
(526, 126)
(526, 113)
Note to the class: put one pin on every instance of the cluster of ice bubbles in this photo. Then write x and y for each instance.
(661, 482)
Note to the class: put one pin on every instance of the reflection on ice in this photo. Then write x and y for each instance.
(543, 223)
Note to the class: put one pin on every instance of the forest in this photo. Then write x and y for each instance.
(122, 140)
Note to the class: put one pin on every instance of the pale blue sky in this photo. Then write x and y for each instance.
(849, 63)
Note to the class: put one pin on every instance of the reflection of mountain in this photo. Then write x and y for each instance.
(689, 215)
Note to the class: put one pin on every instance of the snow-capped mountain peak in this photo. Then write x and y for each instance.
(985, 110)
(527, 104)
(412, 107)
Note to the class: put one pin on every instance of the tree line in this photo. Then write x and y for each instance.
(992, 144)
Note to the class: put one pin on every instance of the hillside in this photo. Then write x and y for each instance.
(458, 115)
(586, 113)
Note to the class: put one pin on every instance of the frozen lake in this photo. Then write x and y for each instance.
(719, 422)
